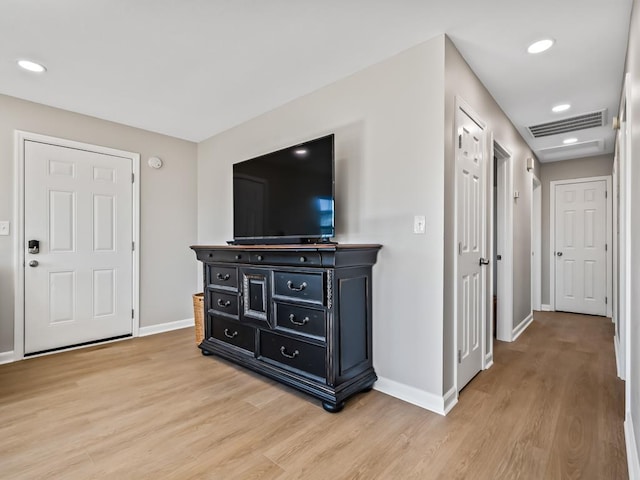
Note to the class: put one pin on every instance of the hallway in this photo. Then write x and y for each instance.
(554, 399)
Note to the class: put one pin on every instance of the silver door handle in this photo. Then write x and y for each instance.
(559, 254)
(33, 263)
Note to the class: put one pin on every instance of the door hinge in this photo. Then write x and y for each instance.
(459, 141)
(459, 356)
(606, 300)
(133, 246)
(132, 313)
(605, 194)
(606, 247)
(133, 177)
(459, 248)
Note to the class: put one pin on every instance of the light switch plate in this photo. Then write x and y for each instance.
(4, 228)
(419, 224)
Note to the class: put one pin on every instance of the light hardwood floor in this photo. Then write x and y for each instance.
(550, 408)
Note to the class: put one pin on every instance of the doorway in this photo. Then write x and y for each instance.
(76, 235)
(503, 244)
(580, 240)
(536, 244)
(471, 259)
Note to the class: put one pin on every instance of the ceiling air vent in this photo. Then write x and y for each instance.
(575, 150)
(572, 124)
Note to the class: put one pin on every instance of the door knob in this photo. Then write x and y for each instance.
(483, 261)
(33, 263)
(559, 254)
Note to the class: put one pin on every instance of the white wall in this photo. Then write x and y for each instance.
(168, 207)
(633, 371)
(388, 122)
(461, 81)
(596, 166)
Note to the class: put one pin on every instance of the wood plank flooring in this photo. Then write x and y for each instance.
(550, 408)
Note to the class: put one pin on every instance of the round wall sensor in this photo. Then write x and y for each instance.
(155, 162)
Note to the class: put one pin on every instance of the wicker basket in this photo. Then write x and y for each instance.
(198, 316)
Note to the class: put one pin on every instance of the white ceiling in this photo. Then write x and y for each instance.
(193, 68)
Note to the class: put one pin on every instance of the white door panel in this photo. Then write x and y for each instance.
(580, 247)
(78, 206)
(470, 230)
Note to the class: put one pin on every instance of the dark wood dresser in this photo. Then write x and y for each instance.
(299, 314)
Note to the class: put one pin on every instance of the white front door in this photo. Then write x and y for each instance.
(580, 247)
(470, 281)
(78, 207)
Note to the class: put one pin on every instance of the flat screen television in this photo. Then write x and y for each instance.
(285, 196)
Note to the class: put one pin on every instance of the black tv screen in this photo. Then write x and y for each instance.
(285, 196)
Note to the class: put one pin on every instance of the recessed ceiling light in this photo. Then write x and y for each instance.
(563, 107)
(31, 66)
(567, 141)
(540, 46)
(300, 151)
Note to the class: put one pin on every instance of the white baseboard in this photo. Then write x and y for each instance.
(546, 307)
(632, 449)
(488, 361)
(450, 399)
(165, 327)
(435, 403)
(616, 347)
(522, 326)
(7, 357)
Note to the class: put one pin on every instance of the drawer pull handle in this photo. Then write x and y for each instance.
(230, 335)
(238, 257)
(284, 353)
(302, 286)
(223, 304)
(260, 258)
(224, 277)
(292, 319)
(303, 259)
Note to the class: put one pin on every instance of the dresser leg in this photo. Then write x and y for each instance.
(333, 407)
(367, 389)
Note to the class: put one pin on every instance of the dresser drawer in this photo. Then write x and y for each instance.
(224, 255)
(223, 277)
(234, 333)
(292, 354)
(299, 286)
(305, 321)
(223, 303)
(298, 259)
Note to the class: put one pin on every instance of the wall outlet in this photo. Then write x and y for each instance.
(4, 228)
(419, 224)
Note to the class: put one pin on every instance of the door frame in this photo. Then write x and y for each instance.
(20, 137)
(536, 243)
(623, 144)
(504, 324)
(608, 241)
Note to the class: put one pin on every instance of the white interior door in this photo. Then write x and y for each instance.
(78, 286)
(470, 281)
(580, 247)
